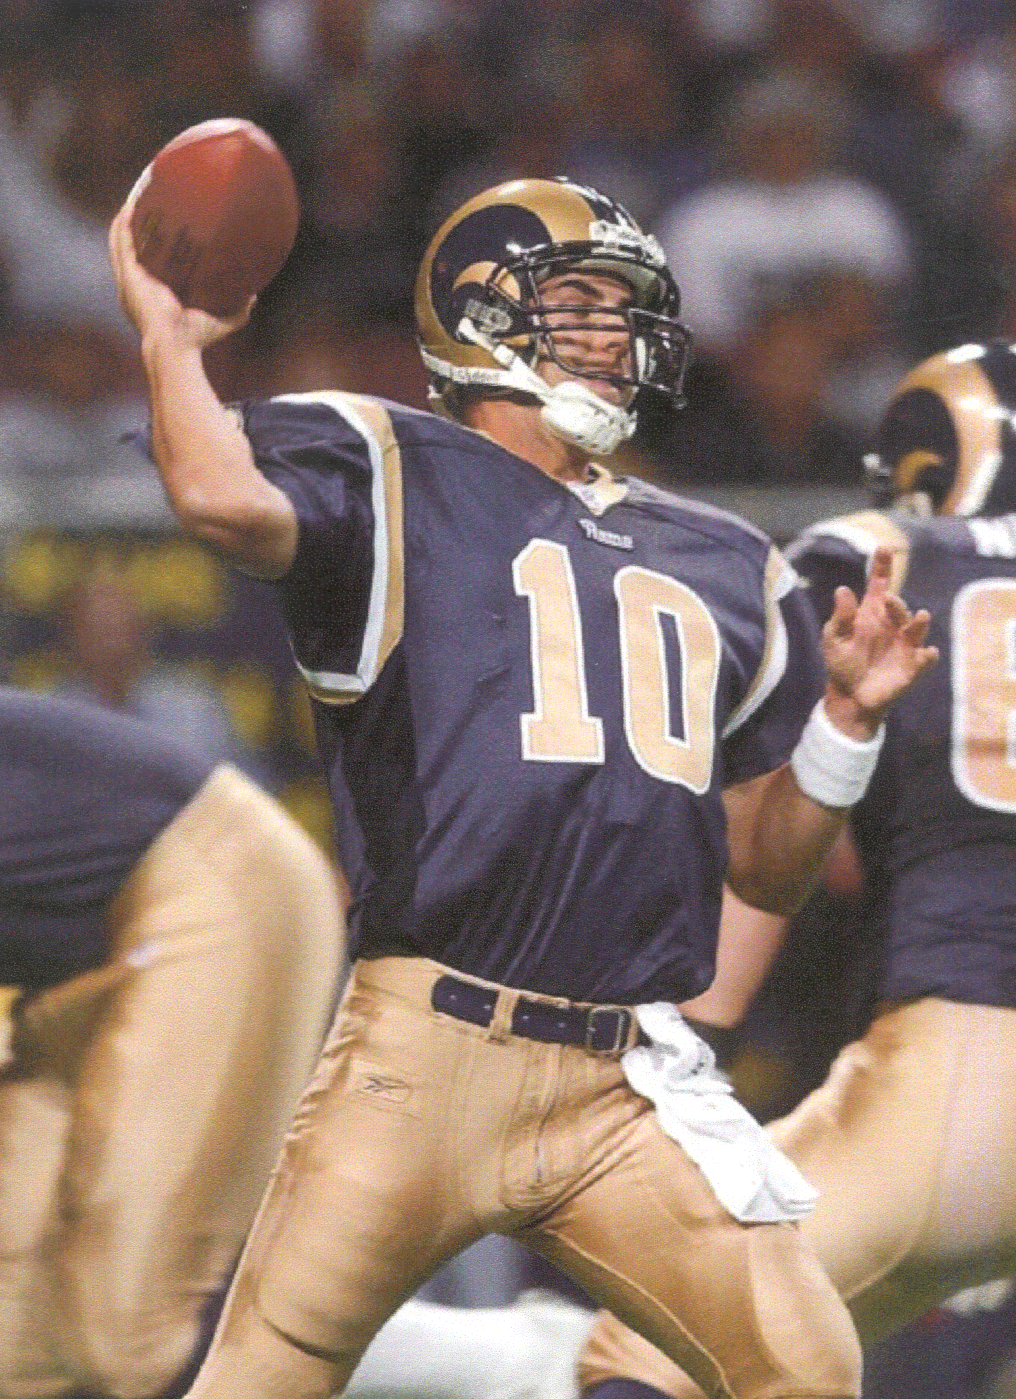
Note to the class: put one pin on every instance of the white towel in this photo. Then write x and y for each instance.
(695, 1106)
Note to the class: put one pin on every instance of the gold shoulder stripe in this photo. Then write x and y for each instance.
(393, 622)
(386, 605)
(777, 581)
(864, 532)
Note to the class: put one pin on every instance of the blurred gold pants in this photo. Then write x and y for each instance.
(145, 1102)
(912, 1142)
(421, 1132)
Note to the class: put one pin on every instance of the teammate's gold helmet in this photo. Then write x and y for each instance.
(947, 441)
(478, 310)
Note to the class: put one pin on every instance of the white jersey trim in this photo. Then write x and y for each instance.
(367, 666)
(780, 580)
(857, 536)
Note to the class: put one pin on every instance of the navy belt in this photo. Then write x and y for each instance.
(600, 1029)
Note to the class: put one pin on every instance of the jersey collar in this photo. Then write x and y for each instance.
(599, 491)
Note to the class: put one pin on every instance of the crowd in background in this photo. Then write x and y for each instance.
(833, 181)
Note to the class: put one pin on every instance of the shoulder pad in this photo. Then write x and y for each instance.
(853, 539)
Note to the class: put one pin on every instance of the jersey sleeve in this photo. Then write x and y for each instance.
(327, 453)
(764, 729)
(838, 552)
(826, 562)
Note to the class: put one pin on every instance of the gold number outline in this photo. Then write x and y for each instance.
(643, 598)
(983, 737)
(560, 727)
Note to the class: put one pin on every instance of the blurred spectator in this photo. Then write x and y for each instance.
(761, 420)
(37, 105)
(439, 117)
(205, 66)
(967, 286)
(108, 134)
(531, 143)
(390, 27)
(904, 26)
(630, 133)
(782, 211)
(283, 44)
(110, 660)
(816, 38)
(866, 344)
(731, 24)
(888, 134)
(977, 85)
(892, 27)
(880, 65)
(99, 91)
(336, 351)
(965, 91)
(55, 252)
(67, 390)
(341, 32)
(356, 238)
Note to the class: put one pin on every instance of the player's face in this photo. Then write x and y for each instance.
(588, 335)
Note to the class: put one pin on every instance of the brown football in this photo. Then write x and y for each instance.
(216, 214)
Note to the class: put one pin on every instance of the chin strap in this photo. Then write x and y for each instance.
(571, 410)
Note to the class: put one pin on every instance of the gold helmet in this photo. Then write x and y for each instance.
(947, 441)
(479, 316)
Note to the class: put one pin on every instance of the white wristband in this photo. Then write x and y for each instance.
(831, 768)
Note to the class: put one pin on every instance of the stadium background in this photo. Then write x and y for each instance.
(890, 126)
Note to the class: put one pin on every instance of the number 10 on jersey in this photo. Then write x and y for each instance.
(560, 728)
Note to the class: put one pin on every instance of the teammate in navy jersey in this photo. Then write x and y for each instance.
(554, 709)
(175, 939)
(912, 1138)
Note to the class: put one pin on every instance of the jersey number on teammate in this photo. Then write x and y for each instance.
(984, 700)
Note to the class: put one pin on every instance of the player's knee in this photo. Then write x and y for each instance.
(130, 1357)
(255, 1359)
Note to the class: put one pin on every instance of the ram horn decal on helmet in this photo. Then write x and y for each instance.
(479, 317)
(947, 441)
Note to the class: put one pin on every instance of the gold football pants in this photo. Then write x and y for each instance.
(912, 1142)
(145, 1103)
(419, 1133)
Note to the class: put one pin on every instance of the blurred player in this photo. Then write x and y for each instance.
(912, 1139)
(175, 938)
(532, 683)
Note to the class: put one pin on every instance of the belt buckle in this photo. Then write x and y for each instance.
(622, 1025)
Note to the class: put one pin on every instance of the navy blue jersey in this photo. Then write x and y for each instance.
(528, 697)
(83, 793)
(937, 828)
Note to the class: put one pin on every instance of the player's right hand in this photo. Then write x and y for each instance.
(152, 307)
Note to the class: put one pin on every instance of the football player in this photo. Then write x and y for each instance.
(912, 1139)
(554, 708)
(176, 940)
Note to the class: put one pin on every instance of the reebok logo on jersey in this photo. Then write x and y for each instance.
(606, 536)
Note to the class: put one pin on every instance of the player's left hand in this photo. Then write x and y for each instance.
(874, 650)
